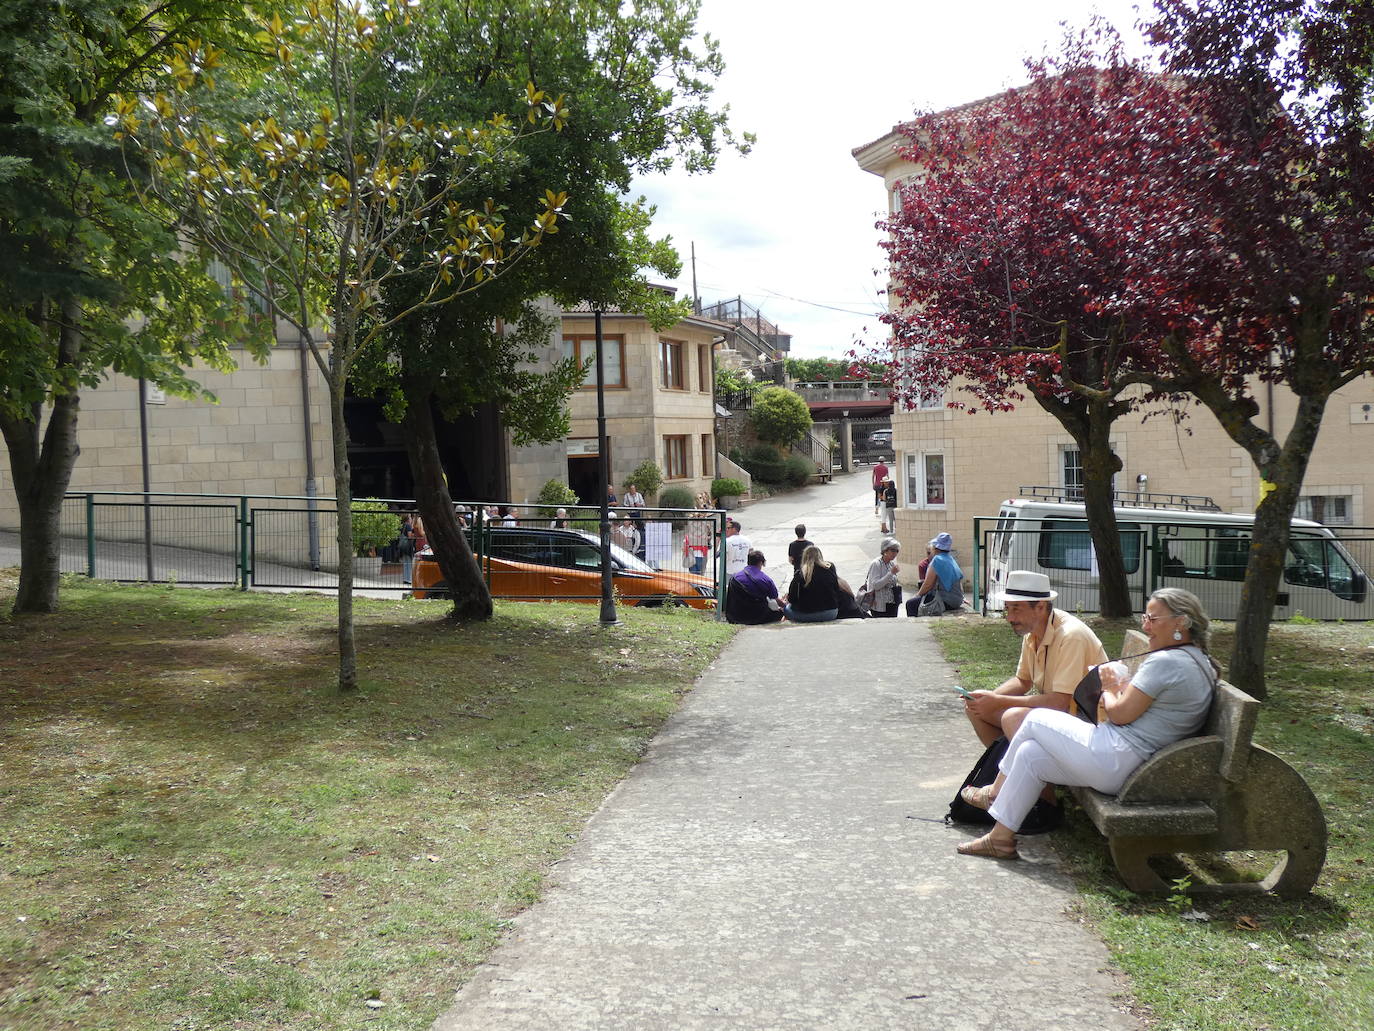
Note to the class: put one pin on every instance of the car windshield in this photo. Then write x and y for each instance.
(619, 554)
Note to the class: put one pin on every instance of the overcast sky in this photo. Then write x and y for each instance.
(790, 227)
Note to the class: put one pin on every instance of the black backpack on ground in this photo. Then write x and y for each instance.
(1042, 818)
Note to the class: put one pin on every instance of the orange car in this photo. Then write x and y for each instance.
(530, 564)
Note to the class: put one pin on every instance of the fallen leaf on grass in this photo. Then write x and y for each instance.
(1247, 923)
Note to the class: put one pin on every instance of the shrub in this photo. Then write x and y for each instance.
(779, 416)
(648, 477)
(677, 497)
(799, 470)
(726, 487)
(765, 463)
(556, 493)
(374, 525)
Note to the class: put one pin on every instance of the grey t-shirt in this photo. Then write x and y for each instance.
(1182, 694)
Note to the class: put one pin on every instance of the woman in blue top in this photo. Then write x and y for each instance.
(943, 588)
(1167, 700)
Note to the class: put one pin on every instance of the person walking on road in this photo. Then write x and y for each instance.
(880, 473)
(736, 548)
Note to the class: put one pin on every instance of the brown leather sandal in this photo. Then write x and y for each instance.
(986, 846)
(979, 798)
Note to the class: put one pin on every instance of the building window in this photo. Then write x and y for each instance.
(670, 360)
(1330, 509)
(708, 454)
(1072, 466)
(675, 457)
(925, 480)
(704, 368)
(583, 348)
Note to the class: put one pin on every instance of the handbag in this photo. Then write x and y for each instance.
(1042, 818)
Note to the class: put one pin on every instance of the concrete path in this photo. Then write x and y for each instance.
(778, 860)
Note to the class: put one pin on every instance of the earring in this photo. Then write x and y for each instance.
(1178, 634)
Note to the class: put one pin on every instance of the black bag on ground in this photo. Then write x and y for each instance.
(1042, 818)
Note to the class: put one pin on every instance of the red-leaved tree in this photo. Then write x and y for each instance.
(1014, 260)
(1112, 234)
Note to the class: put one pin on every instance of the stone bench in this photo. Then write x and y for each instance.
(1215, 792)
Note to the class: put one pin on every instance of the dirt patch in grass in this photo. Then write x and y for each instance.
(197, 831)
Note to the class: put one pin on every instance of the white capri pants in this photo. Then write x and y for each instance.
(1052, 747)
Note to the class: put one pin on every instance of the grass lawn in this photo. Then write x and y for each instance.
(1253, 964)
(197, 831)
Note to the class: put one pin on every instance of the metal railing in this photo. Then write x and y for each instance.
(288, 541)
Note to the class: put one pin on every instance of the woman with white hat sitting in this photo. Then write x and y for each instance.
(943, 588)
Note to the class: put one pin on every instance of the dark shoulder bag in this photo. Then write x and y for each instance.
(1042, 818)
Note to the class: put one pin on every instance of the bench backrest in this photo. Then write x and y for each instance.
(1232, 717)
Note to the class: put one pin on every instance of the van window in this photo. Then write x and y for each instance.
(1212, 553)
(1315, 562)
(1066, 544)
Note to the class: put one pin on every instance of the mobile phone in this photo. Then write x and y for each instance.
(961, 690)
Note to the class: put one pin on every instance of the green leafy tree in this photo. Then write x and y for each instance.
(325, 183)
(780, 416)
(648, 477)
(90, 280)
(638, 84)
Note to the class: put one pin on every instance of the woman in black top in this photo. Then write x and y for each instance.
(814, 596)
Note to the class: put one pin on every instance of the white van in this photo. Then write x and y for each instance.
(1197, 547)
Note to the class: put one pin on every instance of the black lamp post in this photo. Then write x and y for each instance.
(608, 616)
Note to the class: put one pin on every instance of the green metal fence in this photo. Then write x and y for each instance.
(290, 542)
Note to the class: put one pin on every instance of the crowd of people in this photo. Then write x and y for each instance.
(816, 593)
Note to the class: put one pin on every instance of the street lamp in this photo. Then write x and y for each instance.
(608, 616)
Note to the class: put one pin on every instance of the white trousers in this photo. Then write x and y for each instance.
(1052, 747)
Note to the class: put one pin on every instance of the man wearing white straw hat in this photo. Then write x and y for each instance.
(1056, 650)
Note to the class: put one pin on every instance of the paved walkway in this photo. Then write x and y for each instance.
(778, 860)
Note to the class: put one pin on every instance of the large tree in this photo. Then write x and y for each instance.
(1208, 229)
(639, 86)
(90, 281)
(1285, 194)
(1008, 257)
(327, 186)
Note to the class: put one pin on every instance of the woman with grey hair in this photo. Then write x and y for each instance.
(1166, 700)
(881, 594)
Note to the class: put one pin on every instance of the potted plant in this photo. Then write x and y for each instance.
(374, 527)
(727, 490)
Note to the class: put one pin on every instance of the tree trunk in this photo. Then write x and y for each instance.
(466, 587)
(348, 656)
(42, 472)
(1269, 546)
(1090, 424)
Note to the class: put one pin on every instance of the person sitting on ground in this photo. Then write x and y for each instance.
(849, 604)
(814, 596)
(1057, 649)
(924, 565)
(881, 591)
(751, 596)
(942, 588)
(795, 549)
(1166, 700)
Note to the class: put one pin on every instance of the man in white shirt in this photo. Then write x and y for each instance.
(626, 536)
(737, 548)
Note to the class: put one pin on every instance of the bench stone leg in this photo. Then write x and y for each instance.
(1271, 810)
(1131, 856)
